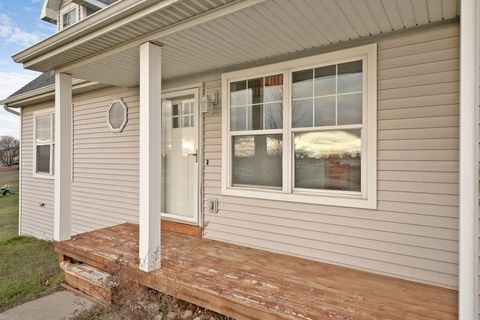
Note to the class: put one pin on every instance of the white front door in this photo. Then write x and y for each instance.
(179, 154)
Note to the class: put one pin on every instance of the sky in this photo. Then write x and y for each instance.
(20, 27)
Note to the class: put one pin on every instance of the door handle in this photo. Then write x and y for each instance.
(193, 155)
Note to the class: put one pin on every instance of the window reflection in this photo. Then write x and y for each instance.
(325, 80)
(255, 91)
(329, 160)
(327, 96)
(302, 113)
(274, 88)
(256, 104)
(257, 160)
(350, 77)
(350, 108)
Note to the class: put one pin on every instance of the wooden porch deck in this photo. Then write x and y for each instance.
(246, 283)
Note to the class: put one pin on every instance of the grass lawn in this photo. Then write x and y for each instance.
(28, 266)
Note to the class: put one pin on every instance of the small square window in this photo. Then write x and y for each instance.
(69, 18)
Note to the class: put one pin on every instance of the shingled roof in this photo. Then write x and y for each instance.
(44, 80)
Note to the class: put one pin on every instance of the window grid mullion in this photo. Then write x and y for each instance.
(263, 105)
(313, 99)
(286, 130)
(336, 94)
(329, 128)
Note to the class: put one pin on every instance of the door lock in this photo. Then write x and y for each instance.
(193, 155)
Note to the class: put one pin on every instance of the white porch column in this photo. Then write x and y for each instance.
(63, 156)
(150, 156)
(469, 122)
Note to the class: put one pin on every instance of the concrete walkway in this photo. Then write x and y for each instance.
(60, 305)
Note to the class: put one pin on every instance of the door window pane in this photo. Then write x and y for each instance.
(43, 159)
(328, 160)
(257, 160)
(175, 110)
(185, 122)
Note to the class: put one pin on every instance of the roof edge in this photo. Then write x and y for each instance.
(15, 101)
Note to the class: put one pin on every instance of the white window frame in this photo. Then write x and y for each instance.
(367, 198)
(125, 115)
(66, 10)
(51, 112)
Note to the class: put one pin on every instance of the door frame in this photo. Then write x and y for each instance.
(197, 219)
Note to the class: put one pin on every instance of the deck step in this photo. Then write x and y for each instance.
(88, 280)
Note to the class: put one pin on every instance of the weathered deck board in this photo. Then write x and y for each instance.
(247, 283)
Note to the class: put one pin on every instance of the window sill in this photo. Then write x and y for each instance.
(44, 176)
(339, 200)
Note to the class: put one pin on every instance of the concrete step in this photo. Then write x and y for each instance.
(88, 280)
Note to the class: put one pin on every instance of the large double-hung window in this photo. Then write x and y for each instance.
(303, 130)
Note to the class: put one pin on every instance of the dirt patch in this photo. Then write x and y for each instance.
(8, 169)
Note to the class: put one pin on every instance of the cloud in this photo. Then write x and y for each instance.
(9, 124)
(11, 82)
(11, 33)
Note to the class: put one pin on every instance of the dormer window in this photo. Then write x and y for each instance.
(69, 18)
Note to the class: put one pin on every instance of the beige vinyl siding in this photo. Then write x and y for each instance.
(35, 220)
(413, 234)
(105, 163)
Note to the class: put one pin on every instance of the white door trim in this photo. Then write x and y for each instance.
(196, 185)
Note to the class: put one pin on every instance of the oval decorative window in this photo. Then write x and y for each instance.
(117, 115)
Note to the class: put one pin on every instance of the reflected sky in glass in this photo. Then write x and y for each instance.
(328, 160)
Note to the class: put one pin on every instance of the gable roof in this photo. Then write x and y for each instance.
(43, 80)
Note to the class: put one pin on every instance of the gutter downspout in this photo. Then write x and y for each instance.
(8, 109)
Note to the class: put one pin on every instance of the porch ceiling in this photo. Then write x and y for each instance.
(266, 30)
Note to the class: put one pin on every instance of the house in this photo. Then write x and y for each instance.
(322, 155)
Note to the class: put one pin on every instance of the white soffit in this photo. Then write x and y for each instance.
(271, 29)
